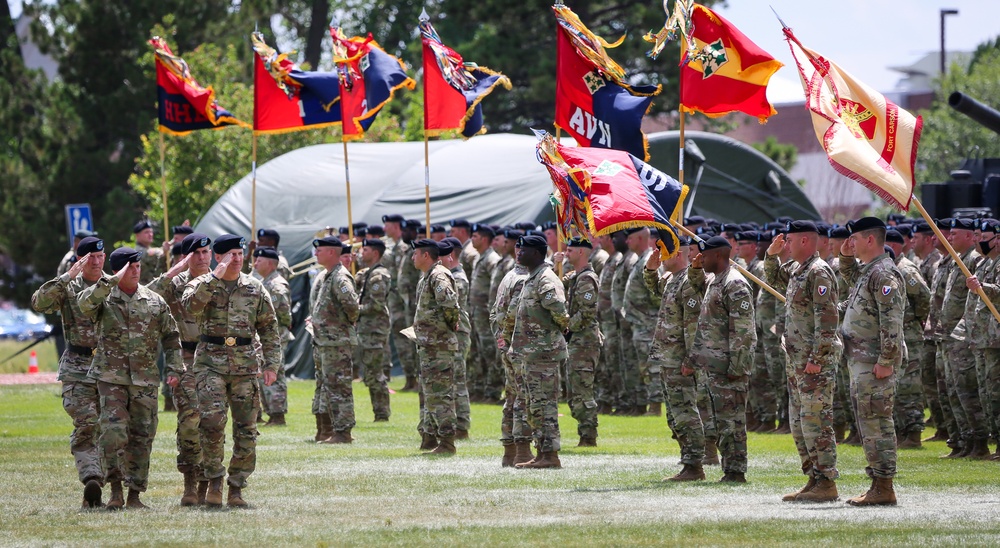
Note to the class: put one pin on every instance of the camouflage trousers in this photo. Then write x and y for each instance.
(406, 351)
(963, 391)
(991, 387)
(928, 380)
(83, 404)
(338, 394)
(729, 405)
(908, 412)
(318, 401)
(437, 385)
(705, 407)
(683, 416)
(604, 376)
(274, 398)
(629, 369)
(759, 399)
(473, 376)
(463, 412)
(810, 416)
(490, 384)
(769, 394)
(649, 370)
(375, 361)
(188, 419)
(843, 408)
(580, 367)
(948, 420)
(218, 395)
(541, 388)
(873, 403)
(128, 426)
(514, 420)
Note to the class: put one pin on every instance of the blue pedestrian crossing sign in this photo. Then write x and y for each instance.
(78, 218)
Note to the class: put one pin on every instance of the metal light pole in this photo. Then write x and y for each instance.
(944, 13)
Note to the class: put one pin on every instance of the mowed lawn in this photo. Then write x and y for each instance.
(381, 490)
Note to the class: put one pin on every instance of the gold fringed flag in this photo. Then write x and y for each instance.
(867, 137)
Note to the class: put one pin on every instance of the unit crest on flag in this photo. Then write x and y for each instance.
(608, 168)
(712, 57)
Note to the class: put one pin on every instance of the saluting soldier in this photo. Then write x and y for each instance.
(585, 340)
(640, 308)
(79, 392)
(154, 261)
(723, 348)
(373, 326)
(133, 322)
(267, 269)
(232, 308)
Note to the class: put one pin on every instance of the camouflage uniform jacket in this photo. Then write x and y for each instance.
(918, 304)
(765, 313)
(811, 316)
(335, 309)
(373, 306)
(499, 271)
(987, 332)
(60, 295)
(780, 310)
(928, 265)
(132, 329)
(971, 327)
(640, 304)
(541, 319)
(597, 259)
(462, 288)
(873, 313)
(504, 311)
(153, 261)
(172, 290)
(437, 314)
(407, 279)
(479, 284)
(937, 287)
(244, 311)
(677, 321)
(725, 339)
(606, 279)
(756, 267)
(582, 295)
(620, 280)
(955, 292)
(468, 257)
(281, 298)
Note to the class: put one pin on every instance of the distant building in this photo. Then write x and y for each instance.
(33, 56)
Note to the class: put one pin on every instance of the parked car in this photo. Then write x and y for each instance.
(22, 325)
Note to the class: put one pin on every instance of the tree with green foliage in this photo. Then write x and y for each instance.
(785, 155)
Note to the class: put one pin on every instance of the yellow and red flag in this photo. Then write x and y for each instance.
(722, 70)
(867, 137)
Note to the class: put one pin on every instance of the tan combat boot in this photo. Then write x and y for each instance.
(190, 496)
(428, 442)
(522, 452)
(546, 459)
(214, 496)
(509, 451)
(91, 493)
(461, 434)
(911, 441)
(980, 450)
(276, 419)
(587, 441)
(734, 477)
(711, 457)
(690, 472)
(446, 446)
(133, 502)
(808, 487)
(339, 437)
(117, 500)
(235, 498)
(838, 433)
(825, 490)
(202, 492)
(881, 493)
(956, 452)
(322, 427)
(655, 409)
(941, 434)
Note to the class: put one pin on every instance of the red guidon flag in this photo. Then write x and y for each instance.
(867, 137)
(723, 71)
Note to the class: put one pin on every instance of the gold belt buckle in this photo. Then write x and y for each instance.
(230, 341)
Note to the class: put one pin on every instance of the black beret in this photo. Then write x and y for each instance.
(344, 230)
(445, 247)
(483, 228)
(392, 218)
(905, 229)
(122, 256)
(865, 223)
(765, 236)
(140, 226)
(328, 241)
(694, 220)
(411, 223)
(361, 232)
(784, 220)
(943, 224)
(438, 229)
(267, 252)
(376, 230)
(822, 228)
(729, 227)
(425, 243)
(525, 226)
(512, 233)
(706, 233)
(374, 243)
(176, 249)
(748, 226)
(897, 217)
(964, 224)
(228, 242)
(549, 225)
(839, 233)
(989, 225)
(894, 236)
(533, 241)
(684, 240)
(268, 233)
(580, 242)
(922, 228)
(81, 234)
(455, 242)
(633, 230)
(534, 232)
(462, 223)
(746, 236)
(194, 241)
(89, 244)
(181, 230)
(715, 242)
(892, 254)
(797, 227)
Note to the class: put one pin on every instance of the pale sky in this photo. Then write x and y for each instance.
(864, 37)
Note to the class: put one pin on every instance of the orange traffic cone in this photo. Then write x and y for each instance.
(33, 363)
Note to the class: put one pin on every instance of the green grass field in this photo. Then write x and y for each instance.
(47, 358)
(380, 490)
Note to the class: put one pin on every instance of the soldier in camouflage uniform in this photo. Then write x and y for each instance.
(452, 261)
(232, 309)
(723, 348)
(946, 423)
(79, 393)
(407, 278)
(986, 331)
(640, 307)
(267, 269)
(908, 413)
(373, 325)
(585, 340)
(759, 386)
(154, 261)
(515, 433)
(626, 359)
(132, 322)
(597, 259)
(813, 347)
(268, 237)
(843, 409)
(610, 353)
(334, 315)
(673, 340)
(487, 379)
(771, 354)
(395, 250)
(537, 347)
(506, 263)
(435, 326)
(925, 245)
(874, 343)
(461, 230)
(196, 262)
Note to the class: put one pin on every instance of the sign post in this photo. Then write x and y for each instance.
(78, 218)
